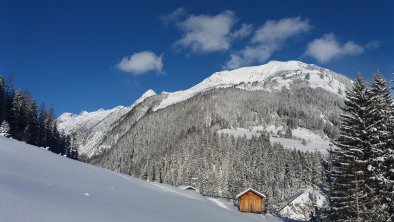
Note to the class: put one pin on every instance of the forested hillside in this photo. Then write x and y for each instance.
(99, 130)
(181, 142)
(23, 119)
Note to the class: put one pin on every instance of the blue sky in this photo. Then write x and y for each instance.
(86, 55)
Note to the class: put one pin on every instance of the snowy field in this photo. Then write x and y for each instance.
(313, 141)
(37, 185)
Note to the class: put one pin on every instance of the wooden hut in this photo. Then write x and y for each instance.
(251, 201)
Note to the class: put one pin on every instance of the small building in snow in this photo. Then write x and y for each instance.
(251, 201)
(187, 188)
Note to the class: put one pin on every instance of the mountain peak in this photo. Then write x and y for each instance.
(274, 64)
(147, 94)
(273, 75)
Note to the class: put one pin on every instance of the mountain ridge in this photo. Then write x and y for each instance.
(270, 71)
(90, 128)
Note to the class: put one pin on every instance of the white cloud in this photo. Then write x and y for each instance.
(173, 16)
(372, 45)
(205, 33)
(247, 56)
(141, 62)
(327, 48)
(351, 48)
(278, 31)
(269, 38)
(244, 31)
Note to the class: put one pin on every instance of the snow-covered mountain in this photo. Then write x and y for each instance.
(69, 122)
(91, 128)
(37, 185)
(271, 76)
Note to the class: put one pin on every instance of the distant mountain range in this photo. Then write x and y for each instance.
(90, 128)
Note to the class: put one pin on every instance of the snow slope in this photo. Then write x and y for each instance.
(271, 76)
(69, 122)
(37, 185)
(313, 141)
(300, 207)
(90, 128)
(228, 205)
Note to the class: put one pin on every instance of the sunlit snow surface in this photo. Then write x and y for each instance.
(275, 73)
(312, 142)
(301, 206)
(37, 185)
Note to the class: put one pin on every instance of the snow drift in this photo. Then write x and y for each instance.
(37, 185)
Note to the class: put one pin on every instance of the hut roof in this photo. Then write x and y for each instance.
(247, 190)
(186, 187)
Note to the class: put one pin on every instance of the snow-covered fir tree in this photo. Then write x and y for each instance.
(5, 129)
(381, 139)
(360, 181)
(327, 164)
(350, 195)
(17, 116)
(3, 100)
(32, 122)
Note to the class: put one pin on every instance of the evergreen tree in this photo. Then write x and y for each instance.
(350, 195)
(25, 113)
(327, 165)
(381, 139)
(17, 116)
(389, 174)
(55, 141)
(5, 129)
(33, 125)
(70, 147)
(42, 127)
(389, 185)
(3, 100)
(50, 132)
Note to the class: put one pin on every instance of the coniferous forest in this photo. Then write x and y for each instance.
(23, 119)
(359, 174)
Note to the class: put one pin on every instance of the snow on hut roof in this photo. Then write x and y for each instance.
(247, 190)
(186, 187)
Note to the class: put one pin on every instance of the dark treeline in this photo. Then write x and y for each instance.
(359, 175)
(21, 118)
